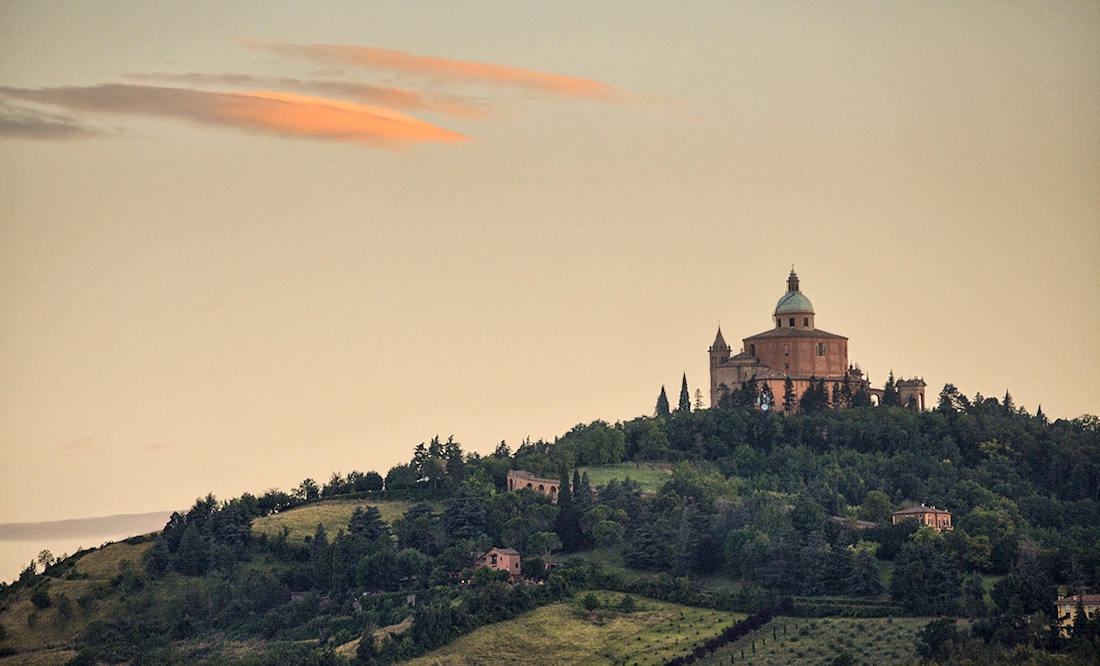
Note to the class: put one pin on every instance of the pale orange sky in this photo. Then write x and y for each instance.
(243, 244)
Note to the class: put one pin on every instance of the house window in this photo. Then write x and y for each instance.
(821, 349)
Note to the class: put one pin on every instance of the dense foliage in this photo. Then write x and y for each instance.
(774, 505)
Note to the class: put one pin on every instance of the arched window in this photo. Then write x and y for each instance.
(821, 349)
(752, 350)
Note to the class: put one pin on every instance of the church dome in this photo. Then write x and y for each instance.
(793, 301)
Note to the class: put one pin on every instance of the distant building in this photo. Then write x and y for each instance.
(797, 350)
(502, 559)
(925, 515)
(518, 479)
(1066, 609)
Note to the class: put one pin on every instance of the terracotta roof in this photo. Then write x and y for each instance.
(1072, 601)
(919, 509)
(789, 332)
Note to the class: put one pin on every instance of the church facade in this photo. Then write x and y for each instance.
(797, 350)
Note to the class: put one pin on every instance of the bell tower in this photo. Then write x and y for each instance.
(719, 351)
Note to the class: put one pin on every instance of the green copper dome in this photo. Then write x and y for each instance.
(793, 301)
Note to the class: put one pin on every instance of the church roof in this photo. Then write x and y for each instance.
(786, 332)
(719, 341)
(794, 301)
(918, 510)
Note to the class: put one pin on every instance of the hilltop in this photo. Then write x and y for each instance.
(727, 509)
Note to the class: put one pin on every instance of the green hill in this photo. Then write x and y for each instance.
(722, 510)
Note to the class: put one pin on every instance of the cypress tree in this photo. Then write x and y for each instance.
(890, 396)
(788, 396)
(662, 404)
(685, 397)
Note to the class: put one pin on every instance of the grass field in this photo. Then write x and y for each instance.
(41, 636)
(564, 634)
(333, 514)
(818, 642)
(650, 476)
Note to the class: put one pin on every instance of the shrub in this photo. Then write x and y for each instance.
(41, 597)
(590, 602)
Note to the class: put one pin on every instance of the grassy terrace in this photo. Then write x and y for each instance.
(650, 476)
(565, 634)
(333, 514)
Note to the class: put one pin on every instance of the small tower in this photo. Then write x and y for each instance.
(911, 392)
(719, 351)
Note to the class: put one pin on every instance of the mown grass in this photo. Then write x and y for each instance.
(565, 634)
(333, 514)
(650, 476)
(818, 642)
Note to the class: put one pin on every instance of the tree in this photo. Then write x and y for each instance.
(367, 651)
(541, 544)
(372, 482)
(662, 404)
(938, 638)
(861, 397)
(890, 395)
(876, 507)
(698, 399)
(193, 556)
(788, 396)
(952, 401)
(368, 524)
(685, 398)
(308, 490)
(815, 398)
(464, 516)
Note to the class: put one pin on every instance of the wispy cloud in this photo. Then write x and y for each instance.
(434, 66)
(276, 113)
(81, 445)
(18, 123)
(396, 98)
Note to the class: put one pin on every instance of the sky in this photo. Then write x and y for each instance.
(242, 244)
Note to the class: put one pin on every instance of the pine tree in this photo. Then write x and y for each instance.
(698, 399)
(662, 404)
(685, 397)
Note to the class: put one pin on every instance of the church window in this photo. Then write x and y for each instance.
(821, 349)
(791, 321)
(805, 322)
(752, 350)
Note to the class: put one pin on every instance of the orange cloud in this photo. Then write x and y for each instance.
(396, 98)
(403, 61)
(282, 114)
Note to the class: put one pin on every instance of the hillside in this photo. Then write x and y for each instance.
(734, 510)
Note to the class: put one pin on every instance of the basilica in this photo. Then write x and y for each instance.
(795, 350)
